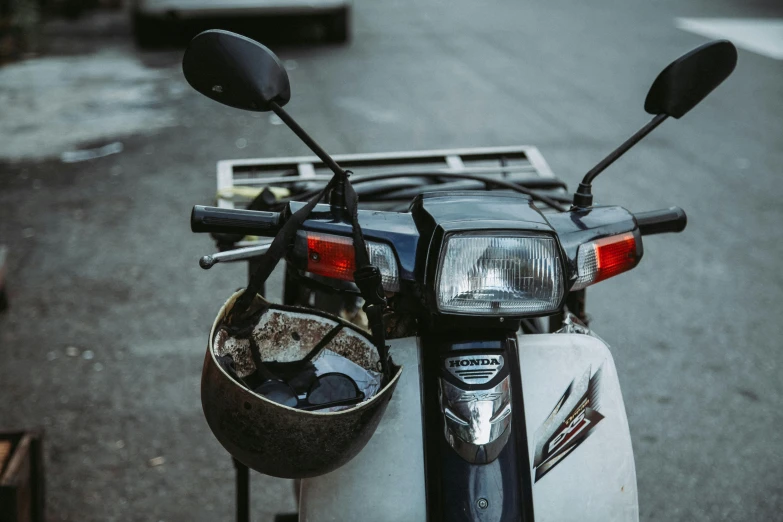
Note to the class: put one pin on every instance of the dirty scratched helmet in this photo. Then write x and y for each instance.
(263, 385)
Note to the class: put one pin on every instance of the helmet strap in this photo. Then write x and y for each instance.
(243, 316)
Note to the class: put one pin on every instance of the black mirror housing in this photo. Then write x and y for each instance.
(690, 78)
(677, 90)
(235, 71)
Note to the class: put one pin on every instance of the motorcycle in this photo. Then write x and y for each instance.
(509, 406)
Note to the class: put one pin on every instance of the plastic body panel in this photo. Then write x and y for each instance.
(466, 481)
(595, 481)
(385, 482)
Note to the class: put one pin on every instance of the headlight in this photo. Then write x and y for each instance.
(506, 274)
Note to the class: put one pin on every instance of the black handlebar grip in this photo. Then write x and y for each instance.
(661, 221)
(234, 221)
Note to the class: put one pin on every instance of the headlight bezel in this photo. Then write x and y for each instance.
(496, 230)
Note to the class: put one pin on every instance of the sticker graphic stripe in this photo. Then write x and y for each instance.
(572, 420)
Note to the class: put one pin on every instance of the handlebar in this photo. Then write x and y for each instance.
(233, 221)
(671, 219)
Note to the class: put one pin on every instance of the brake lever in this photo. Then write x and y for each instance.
(238, 254)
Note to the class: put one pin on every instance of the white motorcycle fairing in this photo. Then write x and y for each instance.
(578, 437)
(579, 445)
(385, 482)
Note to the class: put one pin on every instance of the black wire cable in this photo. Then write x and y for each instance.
(488, 181)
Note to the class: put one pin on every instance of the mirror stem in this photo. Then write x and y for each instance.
(583, 197)
(302, 135)
(337, 196)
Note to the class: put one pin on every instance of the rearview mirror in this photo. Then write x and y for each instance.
(235, 71)
(690, 78)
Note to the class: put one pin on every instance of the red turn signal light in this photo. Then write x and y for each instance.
(333, 256)
(330, 256)
(605, 258)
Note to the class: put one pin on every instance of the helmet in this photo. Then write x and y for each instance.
(268, 436)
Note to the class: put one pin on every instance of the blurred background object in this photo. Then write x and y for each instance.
(3, 278)
(22, 484)
(156, 22)
(19, 20)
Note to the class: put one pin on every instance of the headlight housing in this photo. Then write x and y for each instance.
(499, 274)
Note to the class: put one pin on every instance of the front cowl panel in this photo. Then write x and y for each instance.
(582, 465)
(474, 421)
(385, 482)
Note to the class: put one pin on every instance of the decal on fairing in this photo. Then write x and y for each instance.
(570, 423)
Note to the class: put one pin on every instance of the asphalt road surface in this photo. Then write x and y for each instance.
(105, 336)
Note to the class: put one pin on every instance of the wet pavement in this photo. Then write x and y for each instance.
(103, 343)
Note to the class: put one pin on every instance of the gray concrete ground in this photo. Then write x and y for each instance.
(109, 311)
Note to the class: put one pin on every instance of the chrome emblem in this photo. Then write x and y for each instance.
(474, 369)
(477, 423)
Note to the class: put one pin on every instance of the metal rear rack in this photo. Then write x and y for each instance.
(237, 178)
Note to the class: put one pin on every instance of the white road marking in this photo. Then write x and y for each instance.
(759, 35)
